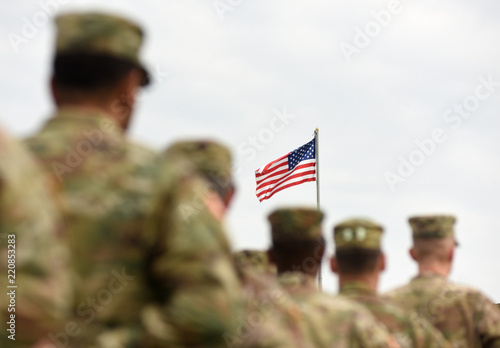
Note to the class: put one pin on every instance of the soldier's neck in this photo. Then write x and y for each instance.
(442, 269)
(369, 279)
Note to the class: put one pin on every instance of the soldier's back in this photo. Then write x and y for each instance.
(409, 329)
(464, 315)
(108, 184)
(34, 258)
(333, 321)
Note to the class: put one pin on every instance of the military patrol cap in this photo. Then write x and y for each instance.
(357, 233)
(295, 224)
(99, 33)
(432, 226)
(211, 159)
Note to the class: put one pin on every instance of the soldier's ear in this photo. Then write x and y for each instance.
(412, 253)
(54, 92)
(334, 265)
(451, 254)
(229, 196)
(382, 262)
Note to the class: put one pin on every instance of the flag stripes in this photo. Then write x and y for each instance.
(292, 169)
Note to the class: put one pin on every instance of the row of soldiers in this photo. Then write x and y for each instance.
(105, 243)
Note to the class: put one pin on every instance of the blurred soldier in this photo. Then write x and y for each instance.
(34, 278)
(124, 203)
(297, 250)
(170, 326)
(464, 315)
(256, 261)
(358, 261)
(213, 162)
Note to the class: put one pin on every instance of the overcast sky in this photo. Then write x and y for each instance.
(406, 95)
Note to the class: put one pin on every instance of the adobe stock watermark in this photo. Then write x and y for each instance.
(89, 308)
(92, 138)
(223, 6)
(364, 35)
(454, 118)
(264, 136)
(247, 149)
(31, 25)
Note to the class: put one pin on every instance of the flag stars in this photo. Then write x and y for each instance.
(303, 153)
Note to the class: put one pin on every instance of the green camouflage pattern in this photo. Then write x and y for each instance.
(333, 321)
(31, 220)
(140, 234)
(201, 291)
(210, 158)
(464, 315)
(272, 318)
(408, 328)
(432, 226)
(254, 260)
(99, 33)
(357, 233)
(295, 224)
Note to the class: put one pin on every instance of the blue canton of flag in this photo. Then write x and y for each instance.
(305, 152)
(292, 169)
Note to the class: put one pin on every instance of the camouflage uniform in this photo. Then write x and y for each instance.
(409, 329)
(202, 295)
(328, 321)
(31, 234)
(260, 317)
(464, 315)
(140, 232)
(256, 261)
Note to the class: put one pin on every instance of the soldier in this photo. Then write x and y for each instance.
(256, 261)
(464, 315)
(297, 250)
(213, 162)
(132, 244)
(358, 261)
(34, 278)
(260, 295)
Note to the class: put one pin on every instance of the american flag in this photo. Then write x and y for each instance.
(292, 169)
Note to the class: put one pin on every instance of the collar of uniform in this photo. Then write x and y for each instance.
(429, 275)
(296, 279)
(356, 288)
(89, 118)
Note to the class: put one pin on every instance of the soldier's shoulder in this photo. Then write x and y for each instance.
(340, 306)
(475, 297)
(401, 290)
(142, 154)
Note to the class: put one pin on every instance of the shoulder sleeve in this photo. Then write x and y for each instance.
(367, 332)
(487, 317)
(190, 265)
(31, 235)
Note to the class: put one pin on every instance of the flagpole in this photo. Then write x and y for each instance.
(316, 137)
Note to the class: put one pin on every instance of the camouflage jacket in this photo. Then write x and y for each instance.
(139, 232)
(33, 255)
(409, 330)
(464, 315)
(332, 321)
(201, 297)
